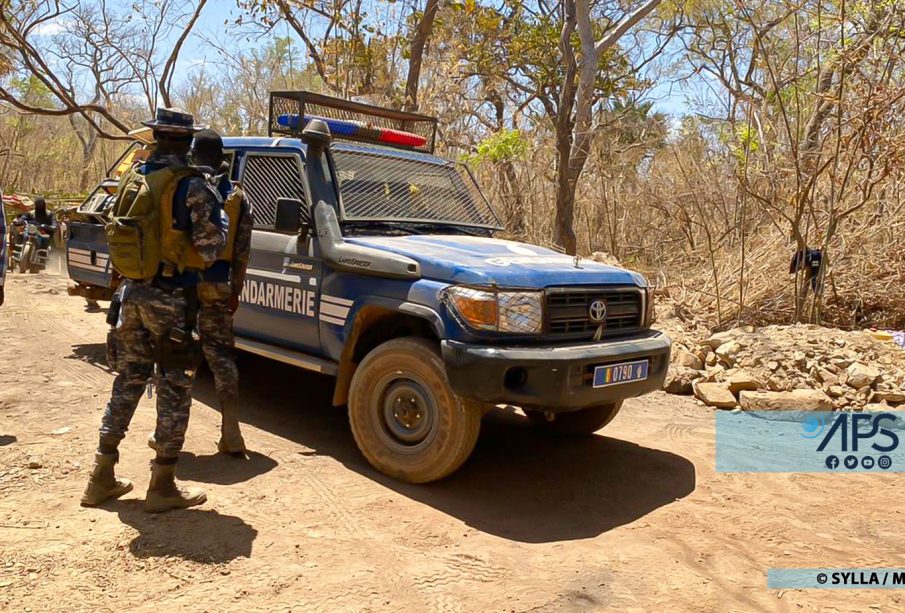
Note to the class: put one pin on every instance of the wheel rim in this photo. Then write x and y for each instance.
(406, 413)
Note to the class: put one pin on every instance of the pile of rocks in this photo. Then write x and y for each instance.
(799, 367)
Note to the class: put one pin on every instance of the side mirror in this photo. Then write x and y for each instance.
(292, 216)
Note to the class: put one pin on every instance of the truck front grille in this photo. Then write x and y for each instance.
(568, 312)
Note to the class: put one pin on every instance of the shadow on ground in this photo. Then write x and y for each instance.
(199, 535)
(223, 469)
(92, 353)
(518, 483)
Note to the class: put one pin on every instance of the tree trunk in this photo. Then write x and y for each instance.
(87, 176)
(416, 56)
(564, 234)
(515, 207)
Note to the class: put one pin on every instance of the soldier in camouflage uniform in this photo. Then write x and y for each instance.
(150, 311)
(219, 291)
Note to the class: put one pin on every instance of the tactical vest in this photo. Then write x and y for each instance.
(177, 247)
(233, 207)
(140, 233)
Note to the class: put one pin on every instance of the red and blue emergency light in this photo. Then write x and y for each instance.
(362, 131)
(290, 113)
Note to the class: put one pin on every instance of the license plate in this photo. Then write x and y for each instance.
(614, 374)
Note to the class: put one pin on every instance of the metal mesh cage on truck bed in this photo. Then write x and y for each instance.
(291, 111)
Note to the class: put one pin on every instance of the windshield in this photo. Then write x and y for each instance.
(391, 188)
(97, 203)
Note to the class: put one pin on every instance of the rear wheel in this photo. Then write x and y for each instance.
(583, 422)
(405, 417)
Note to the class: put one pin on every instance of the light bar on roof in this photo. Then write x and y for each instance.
(290, 113)
(362, 131)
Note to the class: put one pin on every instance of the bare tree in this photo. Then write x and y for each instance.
(98, 56)
(574, 126)
(416, 54)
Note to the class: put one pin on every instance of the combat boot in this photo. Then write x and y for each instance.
(103, 485)
(231, 440)
(164, 494)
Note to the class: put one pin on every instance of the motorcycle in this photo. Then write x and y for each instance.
(29, 252)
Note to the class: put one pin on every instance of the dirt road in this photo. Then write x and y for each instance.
(636, 520)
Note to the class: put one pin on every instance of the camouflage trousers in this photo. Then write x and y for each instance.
(147, 312)
(215, 325)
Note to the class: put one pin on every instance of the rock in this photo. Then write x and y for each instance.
(742, 381)
(702, 352)
(61, 431)
(720, 338)
(35, 463)
(679, 380)
(778, 384)
(772, 365)
(795, 400)
(748, 362)
(711, 359)
(727, 352)
(714, 395)
(836, 391)
(688, 360)
(892, 397)
(716, 369)
(841, 361)
(879, 407)
(861, 375)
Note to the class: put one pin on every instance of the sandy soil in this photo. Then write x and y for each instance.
(636, 520)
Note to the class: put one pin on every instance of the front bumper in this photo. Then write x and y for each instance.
(558, 379)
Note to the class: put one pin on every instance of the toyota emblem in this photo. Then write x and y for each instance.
(597, 311)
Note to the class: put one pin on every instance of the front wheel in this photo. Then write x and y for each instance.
(25, 258)
(577, 423)
(405, 417)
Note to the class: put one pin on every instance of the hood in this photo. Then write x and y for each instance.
(474, 260)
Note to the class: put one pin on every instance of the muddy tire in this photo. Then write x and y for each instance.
(577, 423)
(405, 417)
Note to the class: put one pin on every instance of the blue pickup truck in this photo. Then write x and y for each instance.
(375, 261)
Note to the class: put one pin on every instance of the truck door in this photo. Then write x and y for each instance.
(278, 304)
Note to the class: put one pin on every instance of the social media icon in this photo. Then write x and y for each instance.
(884, 462)
(851, 462)
(867, 462)
(832, 462)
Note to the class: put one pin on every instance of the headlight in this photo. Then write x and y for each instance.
(650, 316)
(498, 311)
